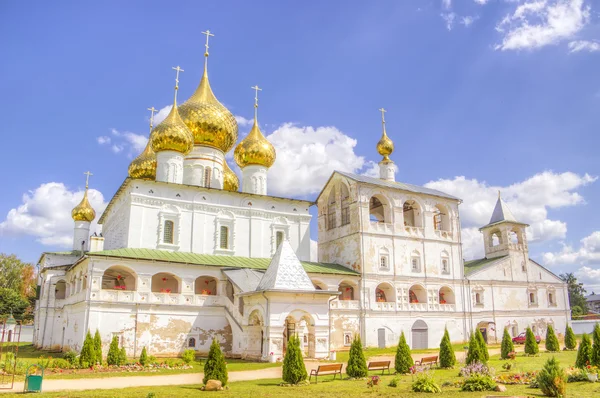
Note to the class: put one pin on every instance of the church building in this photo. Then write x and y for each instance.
(186, 256)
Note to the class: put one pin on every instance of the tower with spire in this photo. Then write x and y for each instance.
(385, 147)
(83, 214)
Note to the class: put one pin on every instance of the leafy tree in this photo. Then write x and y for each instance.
(215, 367)
(576, 312)
(357, 365)
(98, 346)
(552, 379)
(447, 357)
(404, 360)
(570, 340)
(584, 354)
(507, 345)
(17, 287)
(551, 340)
(475, 354)
(576, 292)
(12, 302)
(112, 358)
(531, 346)
(483, 345)
(144, 357)
(87, 357)
(595, 358)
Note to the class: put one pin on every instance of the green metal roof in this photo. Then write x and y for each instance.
(475, 265)
(216, 261)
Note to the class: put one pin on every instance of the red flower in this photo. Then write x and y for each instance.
(164, 279)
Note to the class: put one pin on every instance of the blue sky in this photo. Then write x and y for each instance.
(504, 93)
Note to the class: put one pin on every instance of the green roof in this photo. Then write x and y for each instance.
(216, 261)
(475, 265)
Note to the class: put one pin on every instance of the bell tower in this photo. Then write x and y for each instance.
(504, 235)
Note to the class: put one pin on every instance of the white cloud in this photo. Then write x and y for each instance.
(162, 114)
(447, 4)
(243, 122)
(590, 277)
(103, 140)
(116, 148)
(538, 23)
(46, 214)
(468, 20)
(130, 143)
(529, 201)
(371, 169)
(306, 157)
(583, 45)
(481, 2)
(449, 18)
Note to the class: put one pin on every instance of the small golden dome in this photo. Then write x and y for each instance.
(172, 134)
(385, 146)
(255, 149)
(83, 211)
(209, 121)
(230, 179)
(144, 166)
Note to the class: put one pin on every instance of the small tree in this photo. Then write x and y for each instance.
(122, 356)
(531, 346)
(507, 345)
(87, 357)
(144, 357)
(293, 365)
(551, 340)
(584, 354)
(595, 358)
(357, 365)
(483, 345)
(215, 367)
(98, 346)
(112, 358)
(552, 379)
(570, 340)
(475, 354)
(447, 357)
(404, 360)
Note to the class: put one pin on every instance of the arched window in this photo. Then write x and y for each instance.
(224, 237)
(384, 293)
(207, 286)
(168, 231)
(331, 220)
(346, 291)
(446, 296)
(495, 238)
(383, 262)
(551, 299)
(441, 220)
(345, 204)
(60, 291)
(164, 282)
(191, 342)
(445, 263)
(412, 214)
(207, 176)
(279, 238)
(118, 278)
(377, 210)
(531, 298)
(417, 294)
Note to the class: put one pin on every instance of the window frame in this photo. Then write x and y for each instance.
(224, 237)
(169, 213)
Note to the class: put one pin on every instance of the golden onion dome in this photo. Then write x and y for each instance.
(209, 121)
(172, 134)
(144, 166)
(83, 211)
(230, 179)
(255, 149)
(385, 146)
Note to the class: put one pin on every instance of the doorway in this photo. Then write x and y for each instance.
(381, 338)
(420, 335)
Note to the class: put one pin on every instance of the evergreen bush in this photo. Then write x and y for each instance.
(404, 360)
(475, 354)
(595, 358)
(189, 356)
(570, 340)
(552, 379)
(70, 356)
(144, 357)
(215, 367)
(584, 354)
(87, 357)
(447, 357)
(98, 346)
(122, 357)
(112, 358)
(293, 365)
(357, 365)
(531, 346)
(507, 345)
(551, 340)
(483, 345)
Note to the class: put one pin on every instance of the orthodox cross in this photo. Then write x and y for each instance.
(383, 111)
(152, 111)
(87, 178)
(178, 69)
(256, 90)
(208, 34)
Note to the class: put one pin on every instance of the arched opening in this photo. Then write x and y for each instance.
(412, 214)
(60, 290)
(346, 291)
(495, 238)
(206, 285)
(513, 237)
(301, 324)
(377, 209)
(551, 298)
(345, 195)
(420, 334)
(331, 219)
(319, 285)
(256, 336)
(417, 294)
(165, 282)
(441, 220)
(119, 277)
(384, 293)
(192, 342)
(446, 296)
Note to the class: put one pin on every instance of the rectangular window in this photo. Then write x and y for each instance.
(445, 269)
(279, 238)
(437, 221)
(331, 220)
(168, 232)
(224, 236)
(345, 215)
(415, 265)
(531, 298)
(383, 262)
(478, 298)
(207, 175)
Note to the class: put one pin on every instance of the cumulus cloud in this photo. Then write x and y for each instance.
(45, 213)
(529, 201)
(162, 114)
(243, 122)
(481, 2)
(103, 140)
(446, 4)
(127, 142)
(371, 169)
(583, 45)
(538, 23)
(467, 20)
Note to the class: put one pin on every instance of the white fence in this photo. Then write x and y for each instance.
(584, 326)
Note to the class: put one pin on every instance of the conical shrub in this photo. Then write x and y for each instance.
(87, 357)
(122, 356)
(215, 367)
(475, 354)
(595, 359)
(112, 358)
(531, 346)
(507, 345)
(294, 370)
(570, 340)
(98, 346)
(552, 379)
(357, 365)
(584, 353)
(144, 357)
(447, 357)
(483, 345)
(403, 360)
(552, 344)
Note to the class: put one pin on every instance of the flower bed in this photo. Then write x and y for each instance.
(516, 378)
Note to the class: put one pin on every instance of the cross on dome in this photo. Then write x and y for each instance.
(152, 110)
(87, 178)
(256, 89)
(208, 35)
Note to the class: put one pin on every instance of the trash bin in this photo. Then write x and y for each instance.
(33, 382)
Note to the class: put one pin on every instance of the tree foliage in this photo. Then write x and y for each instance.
(552, 379)
(475, 353)
(531, 345)
(404, 360)
(87, 357)
(98, 346)
(584, 353)
(507, 345)
(357, 364)
(17, 287)
(483, 345)
(447, 357)
(122, 356)
(113, 356)
(144, 357)
(595, 357)
(576, 292)
(215, 367)
(552, 344)
(570, 340)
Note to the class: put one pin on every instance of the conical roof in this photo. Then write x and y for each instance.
(502, 213)
(285, 272)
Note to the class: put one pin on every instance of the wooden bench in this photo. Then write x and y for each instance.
(427, 361)
(334, 369)
(377, 365)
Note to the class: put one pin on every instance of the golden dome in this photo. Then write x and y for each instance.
(230, 179)
(385, 146)
(83, 211)
(172, 134)
(209, 121)
(144, 166)
(254, 149)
